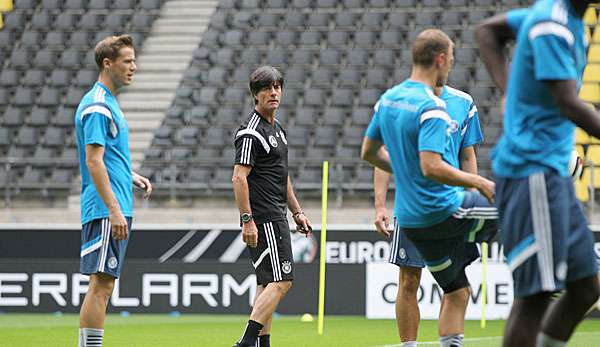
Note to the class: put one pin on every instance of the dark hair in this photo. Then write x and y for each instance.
(264, 77)
(109, 47)
(428, 44)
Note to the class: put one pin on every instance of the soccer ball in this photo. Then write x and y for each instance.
(575, 165)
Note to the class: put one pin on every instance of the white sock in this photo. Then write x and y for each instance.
(544, 340)
(408, 344)
(90, 337)
(455, 340)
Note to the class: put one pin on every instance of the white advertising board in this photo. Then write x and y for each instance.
(382, 286)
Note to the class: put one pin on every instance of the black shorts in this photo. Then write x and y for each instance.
(272, 258)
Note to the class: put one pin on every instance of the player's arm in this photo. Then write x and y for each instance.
(468, 160)
(374, 152)
(492, 36)
(436, 169)
(242, 199)
(381, 181)
(94, 160)
(372, 149)
(303, 224)
(142, 183)
(567, 100)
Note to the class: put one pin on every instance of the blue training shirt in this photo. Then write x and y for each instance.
(463, 113)
(515, 18)
(537, 138)
(408, 119)
(100, 121)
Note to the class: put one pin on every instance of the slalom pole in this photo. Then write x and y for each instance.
(322, 258)
(484, 258)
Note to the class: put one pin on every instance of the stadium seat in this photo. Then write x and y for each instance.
(303, 57)
(20, 58)
(391, 39)
(150, 4)
(24, 96)
(6, 5)
(369, 96)
(342, 97)
(590, 92)
(592, 73)
(345, 20)
(259, 38)
(39, 117)
(594, 53)
(56, 39)
(54, 137)
(45, 58)
(384, 58)
(361, 116)
(398, 20)
(317, 21)
(314, 97)
(13, 117)
(590, 17)
(49, 97)
(9, 78)
(15, 20)
(123, 4)
(27, 136)
(372, 20)
(334, 116)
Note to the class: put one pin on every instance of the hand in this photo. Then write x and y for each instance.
(487, 188)
(250, 233)
(382, 221)
(118, 224)
(302, 223)
(143, 183)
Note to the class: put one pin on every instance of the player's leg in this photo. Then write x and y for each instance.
(272, 260)
(264, 334)
(407, 308)
(404, 254)
(93, 310)
(581, 268)
(446, 254)
(102, 257)
(525, 320)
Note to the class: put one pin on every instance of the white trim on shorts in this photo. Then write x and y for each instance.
(395, 243)
(106, 227)
(272, 244)
(542, 229)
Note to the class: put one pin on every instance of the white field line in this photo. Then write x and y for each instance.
(489, 338)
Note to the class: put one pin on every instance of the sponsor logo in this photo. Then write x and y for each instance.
(286, 266)
(273, 141)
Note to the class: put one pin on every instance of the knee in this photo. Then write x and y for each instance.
(586, 292)
(283, 287)
(409, 283)
(102, 288)
(459, 296)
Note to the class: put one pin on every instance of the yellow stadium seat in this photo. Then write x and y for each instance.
(594, 53)
(591, 73)
(590, 17)
(581, 137)
(1, 22)
(596, 35)
(588, 33)
(581, 186)
(590, 92)
(6, 5)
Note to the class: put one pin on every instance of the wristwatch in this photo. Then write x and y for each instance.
(246, 217)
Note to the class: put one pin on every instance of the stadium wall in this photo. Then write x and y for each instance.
(205, 269)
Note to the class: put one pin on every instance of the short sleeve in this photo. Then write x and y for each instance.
(551, 43)
(433, 131)
(515, 18)
(374, 130)
(95, 129)
(473, 134)
(246, 148)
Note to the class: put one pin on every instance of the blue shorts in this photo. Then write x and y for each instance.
(99, 251)
(547, 242)
(448, 247)
(402, 251)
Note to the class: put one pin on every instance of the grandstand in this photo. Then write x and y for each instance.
(190, 92)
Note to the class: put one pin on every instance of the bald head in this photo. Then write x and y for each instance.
(428, 45)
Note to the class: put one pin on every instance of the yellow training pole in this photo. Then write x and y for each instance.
(484, 257)
(323, 245)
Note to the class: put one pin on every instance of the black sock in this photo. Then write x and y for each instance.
(264, 341)
(251, 333)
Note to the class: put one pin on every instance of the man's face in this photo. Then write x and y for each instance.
(446, 64)
(268, 98)
(121, 70)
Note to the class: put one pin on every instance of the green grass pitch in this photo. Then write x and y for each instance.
(222, 330)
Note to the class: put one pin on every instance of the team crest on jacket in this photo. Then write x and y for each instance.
(272, 141)
(286, 267)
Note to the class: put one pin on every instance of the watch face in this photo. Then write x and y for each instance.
(246, 217)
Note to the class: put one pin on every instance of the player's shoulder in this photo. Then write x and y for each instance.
(95, 101)
(252, 121)
(430, 100)
(547, 15)
(253, 127)
(457, 93)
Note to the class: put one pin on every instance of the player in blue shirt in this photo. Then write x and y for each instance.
(106, 182)
(547, 243)
(462, 110)
(432, 208)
